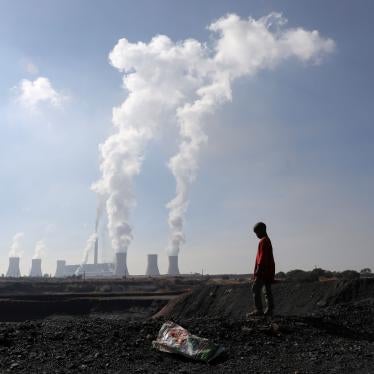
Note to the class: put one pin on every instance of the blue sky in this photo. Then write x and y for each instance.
(294, 148)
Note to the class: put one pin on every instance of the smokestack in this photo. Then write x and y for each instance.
(152, 267)
(13, 269)
(173, 265)
(96, 250)
(36, 268)
(120, 269)
(60, 268)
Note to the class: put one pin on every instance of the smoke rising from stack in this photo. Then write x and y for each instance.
(90, 245)
(15, 249)
(99, 213)
(92, 241)
(154, 76)
(39, 251)
(184, 82)
(243, 48)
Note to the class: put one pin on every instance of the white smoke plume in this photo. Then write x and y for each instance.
(242, 48)
(183, 82)
(91, 241)
(99, 214)
(158, 76)
(15, 249)
(87, 250)
(40, 249)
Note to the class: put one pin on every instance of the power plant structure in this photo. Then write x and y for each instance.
(152, 267)
(13, 269)
(173, 266)
(102, 270)
(96, 251)
(36, 268)
(95, 269)
(120, 267)
(117, 269)
(60, 269)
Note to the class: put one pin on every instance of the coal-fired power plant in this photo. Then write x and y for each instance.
(152, 267)
(120, 268)
(60, 269)
(13, 269)
(36, 268)
(117, 268)
(173, 266)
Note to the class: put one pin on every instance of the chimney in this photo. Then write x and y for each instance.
(36, 268)
(60, 269)
(96, 250)
(13, 269)
(120, 269)
(173, 265)
(152, 267)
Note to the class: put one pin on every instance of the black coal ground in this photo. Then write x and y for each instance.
(333, 342)
(319, 328)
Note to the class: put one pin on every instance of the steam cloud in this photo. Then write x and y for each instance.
(39, 251)
(99, 214)
(87, 250)
(185, 82)
(15, 249)
(90, 244)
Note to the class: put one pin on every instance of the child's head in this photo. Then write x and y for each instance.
(260, 229)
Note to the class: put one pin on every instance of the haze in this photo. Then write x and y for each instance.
(286, 137)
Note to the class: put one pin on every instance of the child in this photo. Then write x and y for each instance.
(263, 273)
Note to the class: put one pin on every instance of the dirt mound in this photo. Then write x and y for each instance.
(291, 298)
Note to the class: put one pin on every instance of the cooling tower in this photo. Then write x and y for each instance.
(96, 250)
(120, 269)
(13, 269)
(173, 265)
(60, 268)
(152, 267)
(36, 268)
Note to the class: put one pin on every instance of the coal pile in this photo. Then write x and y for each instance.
(336, 336)
(233, 301)
(285, 345)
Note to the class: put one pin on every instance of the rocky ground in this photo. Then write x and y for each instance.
(338, 338)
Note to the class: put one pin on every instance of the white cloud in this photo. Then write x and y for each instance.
(33, 93)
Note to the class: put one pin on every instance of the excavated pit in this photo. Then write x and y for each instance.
(22, 300)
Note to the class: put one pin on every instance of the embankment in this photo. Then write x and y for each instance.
(291, 299)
